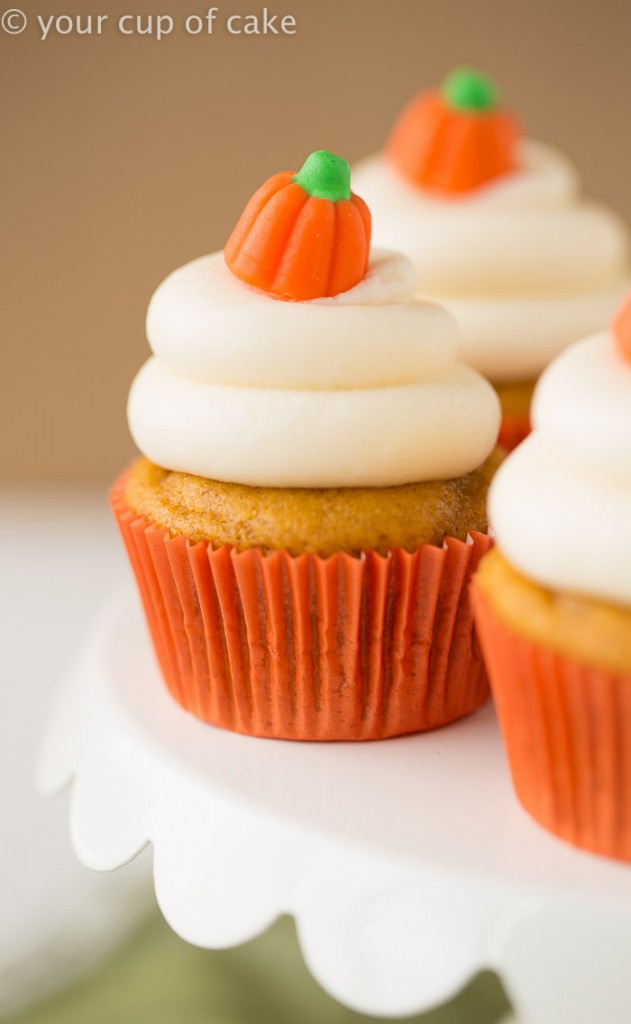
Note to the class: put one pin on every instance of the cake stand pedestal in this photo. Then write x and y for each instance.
(407, 864)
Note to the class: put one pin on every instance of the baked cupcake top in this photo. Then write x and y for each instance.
(560, 504)
(496, 228)
(298, 358)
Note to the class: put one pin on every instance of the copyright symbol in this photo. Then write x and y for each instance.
(14, 21)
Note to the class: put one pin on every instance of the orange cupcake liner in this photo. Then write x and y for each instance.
(513, 430)
(304, 647)
(567, 731)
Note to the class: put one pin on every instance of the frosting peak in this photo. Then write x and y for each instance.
(561, 502)
(524, 264)
(360, 389)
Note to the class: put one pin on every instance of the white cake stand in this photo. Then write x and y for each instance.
(407, 864)
(57, 919)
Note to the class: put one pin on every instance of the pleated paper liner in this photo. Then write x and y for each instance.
(338, 648)
(567, 732)
(513, 430)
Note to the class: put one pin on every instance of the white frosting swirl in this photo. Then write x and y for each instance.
(360, 390)
(523, 264)
(561, 503)
(204, 323)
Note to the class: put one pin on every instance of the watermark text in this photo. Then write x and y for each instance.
(158, 27)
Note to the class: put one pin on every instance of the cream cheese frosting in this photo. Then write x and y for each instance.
(523, 263)
(363, 389)
(560, 505)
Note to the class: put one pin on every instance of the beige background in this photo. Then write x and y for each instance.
(124, 157)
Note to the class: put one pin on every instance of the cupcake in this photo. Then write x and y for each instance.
(498, 233)
(553, 599)
(311, 504)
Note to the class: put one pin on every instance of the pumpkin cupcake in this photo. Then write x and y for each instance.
(311, 505)
(553, 600)
(498, 233)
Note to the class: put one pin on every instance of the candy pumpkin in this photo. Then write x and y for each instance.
(456, 138)
(305, 235)
(622, 328)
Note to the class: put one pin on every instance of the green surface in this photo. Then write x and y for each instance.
(325, 176)
(466, 89)
(158, 979)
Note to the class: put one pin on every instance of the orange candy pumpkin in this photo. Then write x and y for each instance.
(303, 236)
(621, 328)
(455, 139)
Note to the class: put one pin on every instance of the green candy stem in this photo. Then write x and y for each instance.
(466, 89)
(325, 176)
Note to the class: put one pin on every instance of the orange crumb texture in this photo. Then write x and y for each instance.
(319, 520)
(590, 631)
